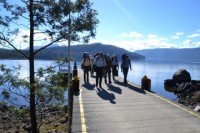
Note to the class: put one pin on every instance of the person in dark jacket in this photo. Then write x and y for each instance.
(115, 67)
(100, 64)
(126, 63)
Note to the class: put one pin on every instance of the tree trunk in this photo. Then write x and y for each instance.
(32, 77)
(32, 96)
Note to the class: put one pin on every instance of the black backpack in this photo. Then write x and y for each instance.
(124, 56)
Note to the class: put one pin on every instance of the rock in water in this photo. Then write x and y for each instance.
(181, 76)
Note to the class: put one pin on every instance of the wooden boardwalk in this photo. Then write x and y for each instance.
(128, 109)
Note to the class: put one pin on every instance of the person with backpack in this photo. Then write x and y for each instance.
(115, 66)
(99, 67)
(126, 63)
(86, 66)
(93, 65)
(108, 69)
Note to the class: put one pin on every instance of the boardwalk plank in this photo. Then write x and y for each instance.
(127, 109)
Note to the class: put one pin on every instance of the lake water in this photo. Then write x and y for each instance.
(24, 73)
(155, 69)
(160, 69)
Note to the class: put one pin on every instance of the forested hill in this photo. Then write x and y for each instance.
(76, 52)
(169, 53)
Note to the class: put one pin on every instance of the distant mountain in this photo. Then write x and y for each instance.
(76, 52)
(38, 47)
(171, 53)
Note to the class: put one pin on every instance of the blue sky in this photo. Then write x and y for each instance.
(144, 24)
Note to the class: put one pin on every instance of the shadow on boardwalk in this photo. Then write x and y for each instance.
(105, 95)
(131, 87)
(115, 89)
(88, 86)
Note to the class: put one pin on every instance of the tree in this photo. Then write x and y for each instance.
(47, 22)
(50, 88)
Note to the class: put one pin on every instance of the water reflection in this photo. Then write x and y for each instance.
(156, 69)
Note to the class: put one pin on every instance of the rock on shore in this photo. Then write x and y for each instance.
(17, 120)
(187, 90)
(188, 93)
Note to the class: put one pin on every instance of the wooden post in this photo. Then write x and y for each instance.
(146, 83)
(75, 71)
(75, 79)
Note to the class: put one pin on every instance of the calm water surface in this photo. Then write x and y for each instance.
(24, 73)
(155, 69)
(160, 69)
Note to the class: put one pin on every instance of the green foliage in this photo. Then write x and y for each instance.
(18, 111)
(60, 79)
(51, 18)
(5, 94)
(50, 87)
(3, 103)
(48, 94)
(56, 20)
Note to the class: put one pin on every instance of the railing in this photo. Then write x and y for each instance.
(74, 86)
(70, 109)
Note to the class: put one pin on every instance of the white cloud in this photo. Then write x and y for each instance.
(175, 37)
(197, 44)
(135, 35)
(152, 41)
(198, 30)
(163, 39)
(187, 42)
(190, 44)
(193, 35)
(158, 43)
(132, 34)
(124, 35)
(20, 42)
(19, 37)
(179, 33)
(138, 44)
(152, 36)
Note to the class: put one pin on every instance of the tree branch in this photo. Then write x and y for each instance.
(9, 43)
(21, 95)
(47, 45)
(21, 25)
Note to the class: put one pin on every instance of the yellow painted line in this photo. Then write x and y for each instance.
(83, 124)
(178, 106)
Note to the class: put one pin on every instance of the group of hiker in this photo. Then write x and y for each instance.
(105, 66)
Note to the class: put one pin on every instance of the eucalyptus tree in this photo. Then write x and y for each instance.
(44, 22)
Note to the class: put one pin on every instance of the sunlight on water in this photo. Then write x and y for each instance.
(155, 69)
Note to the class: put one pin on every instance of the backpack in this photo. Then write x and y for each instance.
(123, 57)
(97, 59)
